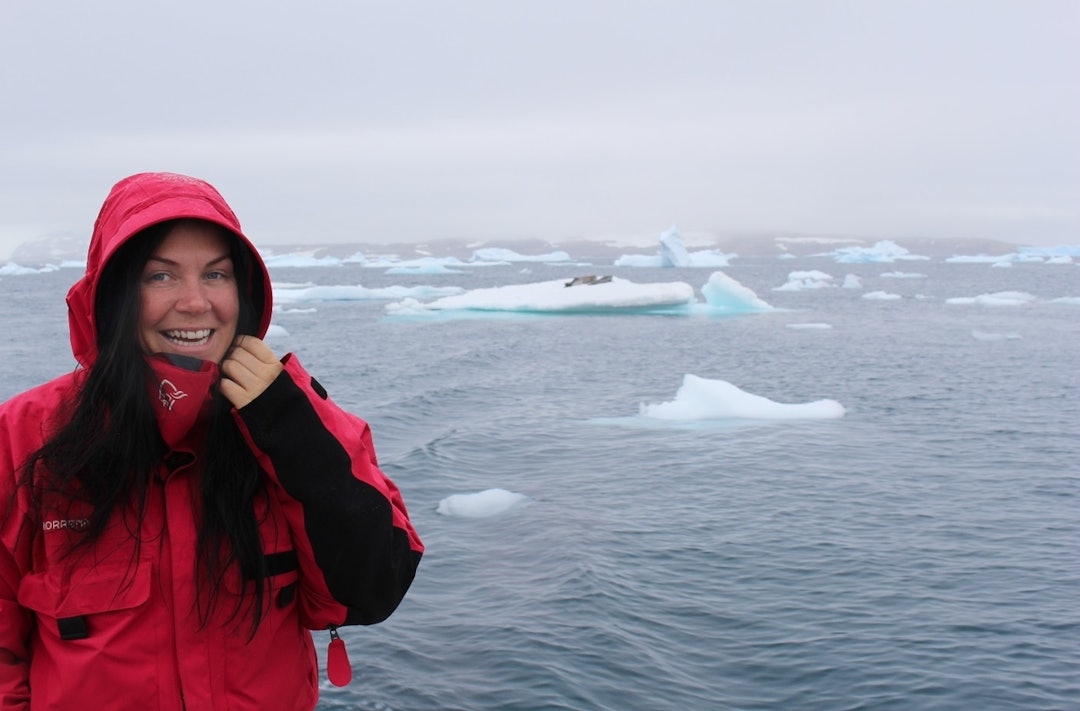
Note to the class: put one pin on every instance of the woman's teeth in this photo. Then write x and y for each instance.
(188, 337)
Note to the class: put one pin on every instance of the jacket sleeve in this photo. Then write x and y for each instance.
(15, 620)
(356, 547)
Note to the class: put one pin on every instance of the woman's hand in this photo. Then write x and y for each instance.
(248, 370)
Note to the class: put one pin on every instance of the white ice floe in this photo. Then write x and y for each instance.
(482, 504)
(499, 254)
(13, 269)
(723, 296)
(809, 326)
(882, 252)
(1063, 254)
(806, 280)
(703, 399)
(880, 296)
(556, 296)
(1000, 298)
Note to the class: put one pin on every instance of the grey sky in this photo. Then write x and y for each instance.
(412, 121)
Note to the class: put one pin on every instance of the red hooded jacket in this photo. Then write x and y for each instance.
(117, 626)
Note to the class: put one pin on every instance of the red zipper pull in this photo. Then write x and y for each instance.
(338, 668)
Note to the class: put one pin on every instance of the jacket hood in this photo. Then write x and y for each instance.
(135, 203)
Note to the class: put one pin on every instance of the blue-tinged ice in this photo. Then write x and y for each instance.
(703, 399)
(726, 295)
(673, 253)
(482, 504)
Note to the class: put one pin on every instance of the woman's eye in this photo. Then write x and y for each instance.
(217, 275)
(157, 276)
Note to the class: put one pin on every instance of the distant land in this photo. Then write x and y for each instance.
(51, 250)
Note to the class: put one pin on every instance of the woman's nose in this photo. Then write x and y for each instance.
(192, 299)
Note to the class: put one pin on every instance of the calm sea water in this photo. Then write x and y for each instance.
(920, 552)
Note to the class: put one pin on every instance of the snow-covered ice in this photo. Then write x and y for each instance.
(555, 296)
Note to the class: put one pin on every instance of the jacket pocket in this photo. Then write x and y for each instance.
(74, 606)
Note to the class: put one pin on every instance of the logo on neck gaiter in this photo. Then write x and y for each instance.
(168, 394)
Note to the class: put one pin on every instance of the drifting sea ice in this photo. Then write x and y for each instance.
(804, 280)
(482, 504)
(673, 253)
(703, 399)
(556, 296)
(726, 295)
(723, 296)
(999, 298)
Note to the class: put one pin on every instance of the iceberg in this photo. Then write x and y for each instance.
(703, 399)
(673, 253)
(725, 295)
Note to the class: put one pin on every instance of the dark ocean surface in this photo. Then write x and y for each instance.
(921, 552)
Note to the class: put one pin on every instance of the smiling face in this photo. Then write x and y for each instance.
(189, 303)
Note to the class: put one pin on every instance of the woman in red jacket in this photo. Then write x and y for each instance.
(181, 510)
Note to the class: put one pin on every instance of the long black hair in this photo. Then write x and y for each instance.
(107, 452)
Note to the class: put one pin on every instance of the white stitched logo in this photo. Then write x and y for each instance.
(74, 524)
(168, 394)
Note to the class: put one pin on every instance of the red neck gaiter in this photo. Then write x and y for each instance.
(180, 395)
